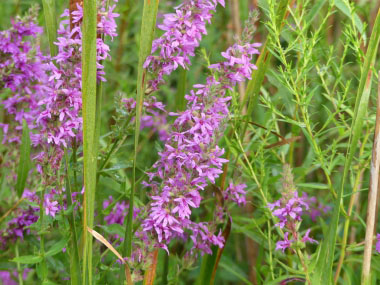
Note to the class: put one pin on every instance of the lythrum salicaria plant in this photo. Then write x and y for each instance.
(189, 142)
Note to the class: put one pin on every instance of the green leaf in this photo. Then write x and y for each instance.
(114, 229)
(57, 247)
(51, 24)
(313, 185)
(24, 163)
(28, 259)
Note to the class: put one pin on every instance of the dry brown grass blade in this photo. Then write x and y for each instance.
(100, 238)
(372, 195)
(11, 209)
(150, 274)
(282, 142)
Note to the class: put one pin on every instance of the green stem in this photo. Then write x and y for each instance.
(42, 237)
(19, 272)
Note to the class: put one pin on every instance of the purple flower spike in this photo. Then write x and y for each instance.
(191, 158)
(378, 243)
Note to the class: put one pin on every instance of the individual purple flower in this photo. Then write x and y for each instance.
(306, 238)
(183, 31)
(51, 207)
(284, 244)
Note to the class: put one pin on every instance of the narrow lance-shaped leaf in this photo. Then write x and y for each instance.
(24, 163)
(89, 119)
(146, 37)
(51, 24)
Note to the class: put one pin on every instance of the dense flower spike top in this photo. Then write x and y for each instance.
(191, 157)
(183, 31)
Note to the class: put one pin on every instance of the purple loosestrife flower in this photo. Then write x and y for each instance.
(191, 157)
(183, 31)
(17, 228)
(23, 73)
(289, 210)
(378, 243)
(316, 208)
(155, 117)
(51, 207)
(9, 278)
(236, 193)
(284, 244)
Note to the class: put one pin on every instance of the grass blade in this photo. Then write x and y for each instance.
(89, 126)
(51, 24)
(323, 270)
(24, 164)
(147, 32)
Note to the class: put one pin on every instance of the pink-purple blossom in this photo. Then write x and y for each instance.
(183, 31)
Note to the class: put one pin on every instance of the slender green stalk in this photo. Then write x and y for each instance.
(42, 237)
(89, 100)
(19, 272)
(181, 90)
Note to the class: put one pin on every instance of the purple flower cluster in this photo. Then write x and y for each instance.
(183, 32)
(60, 118)
(316, 208)
(118, 211)
(17, 228)
(9, 278)
(378, 243)
(23, 72)
(155, 117)
(191, 157)
(289, 210)
(236, 193)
